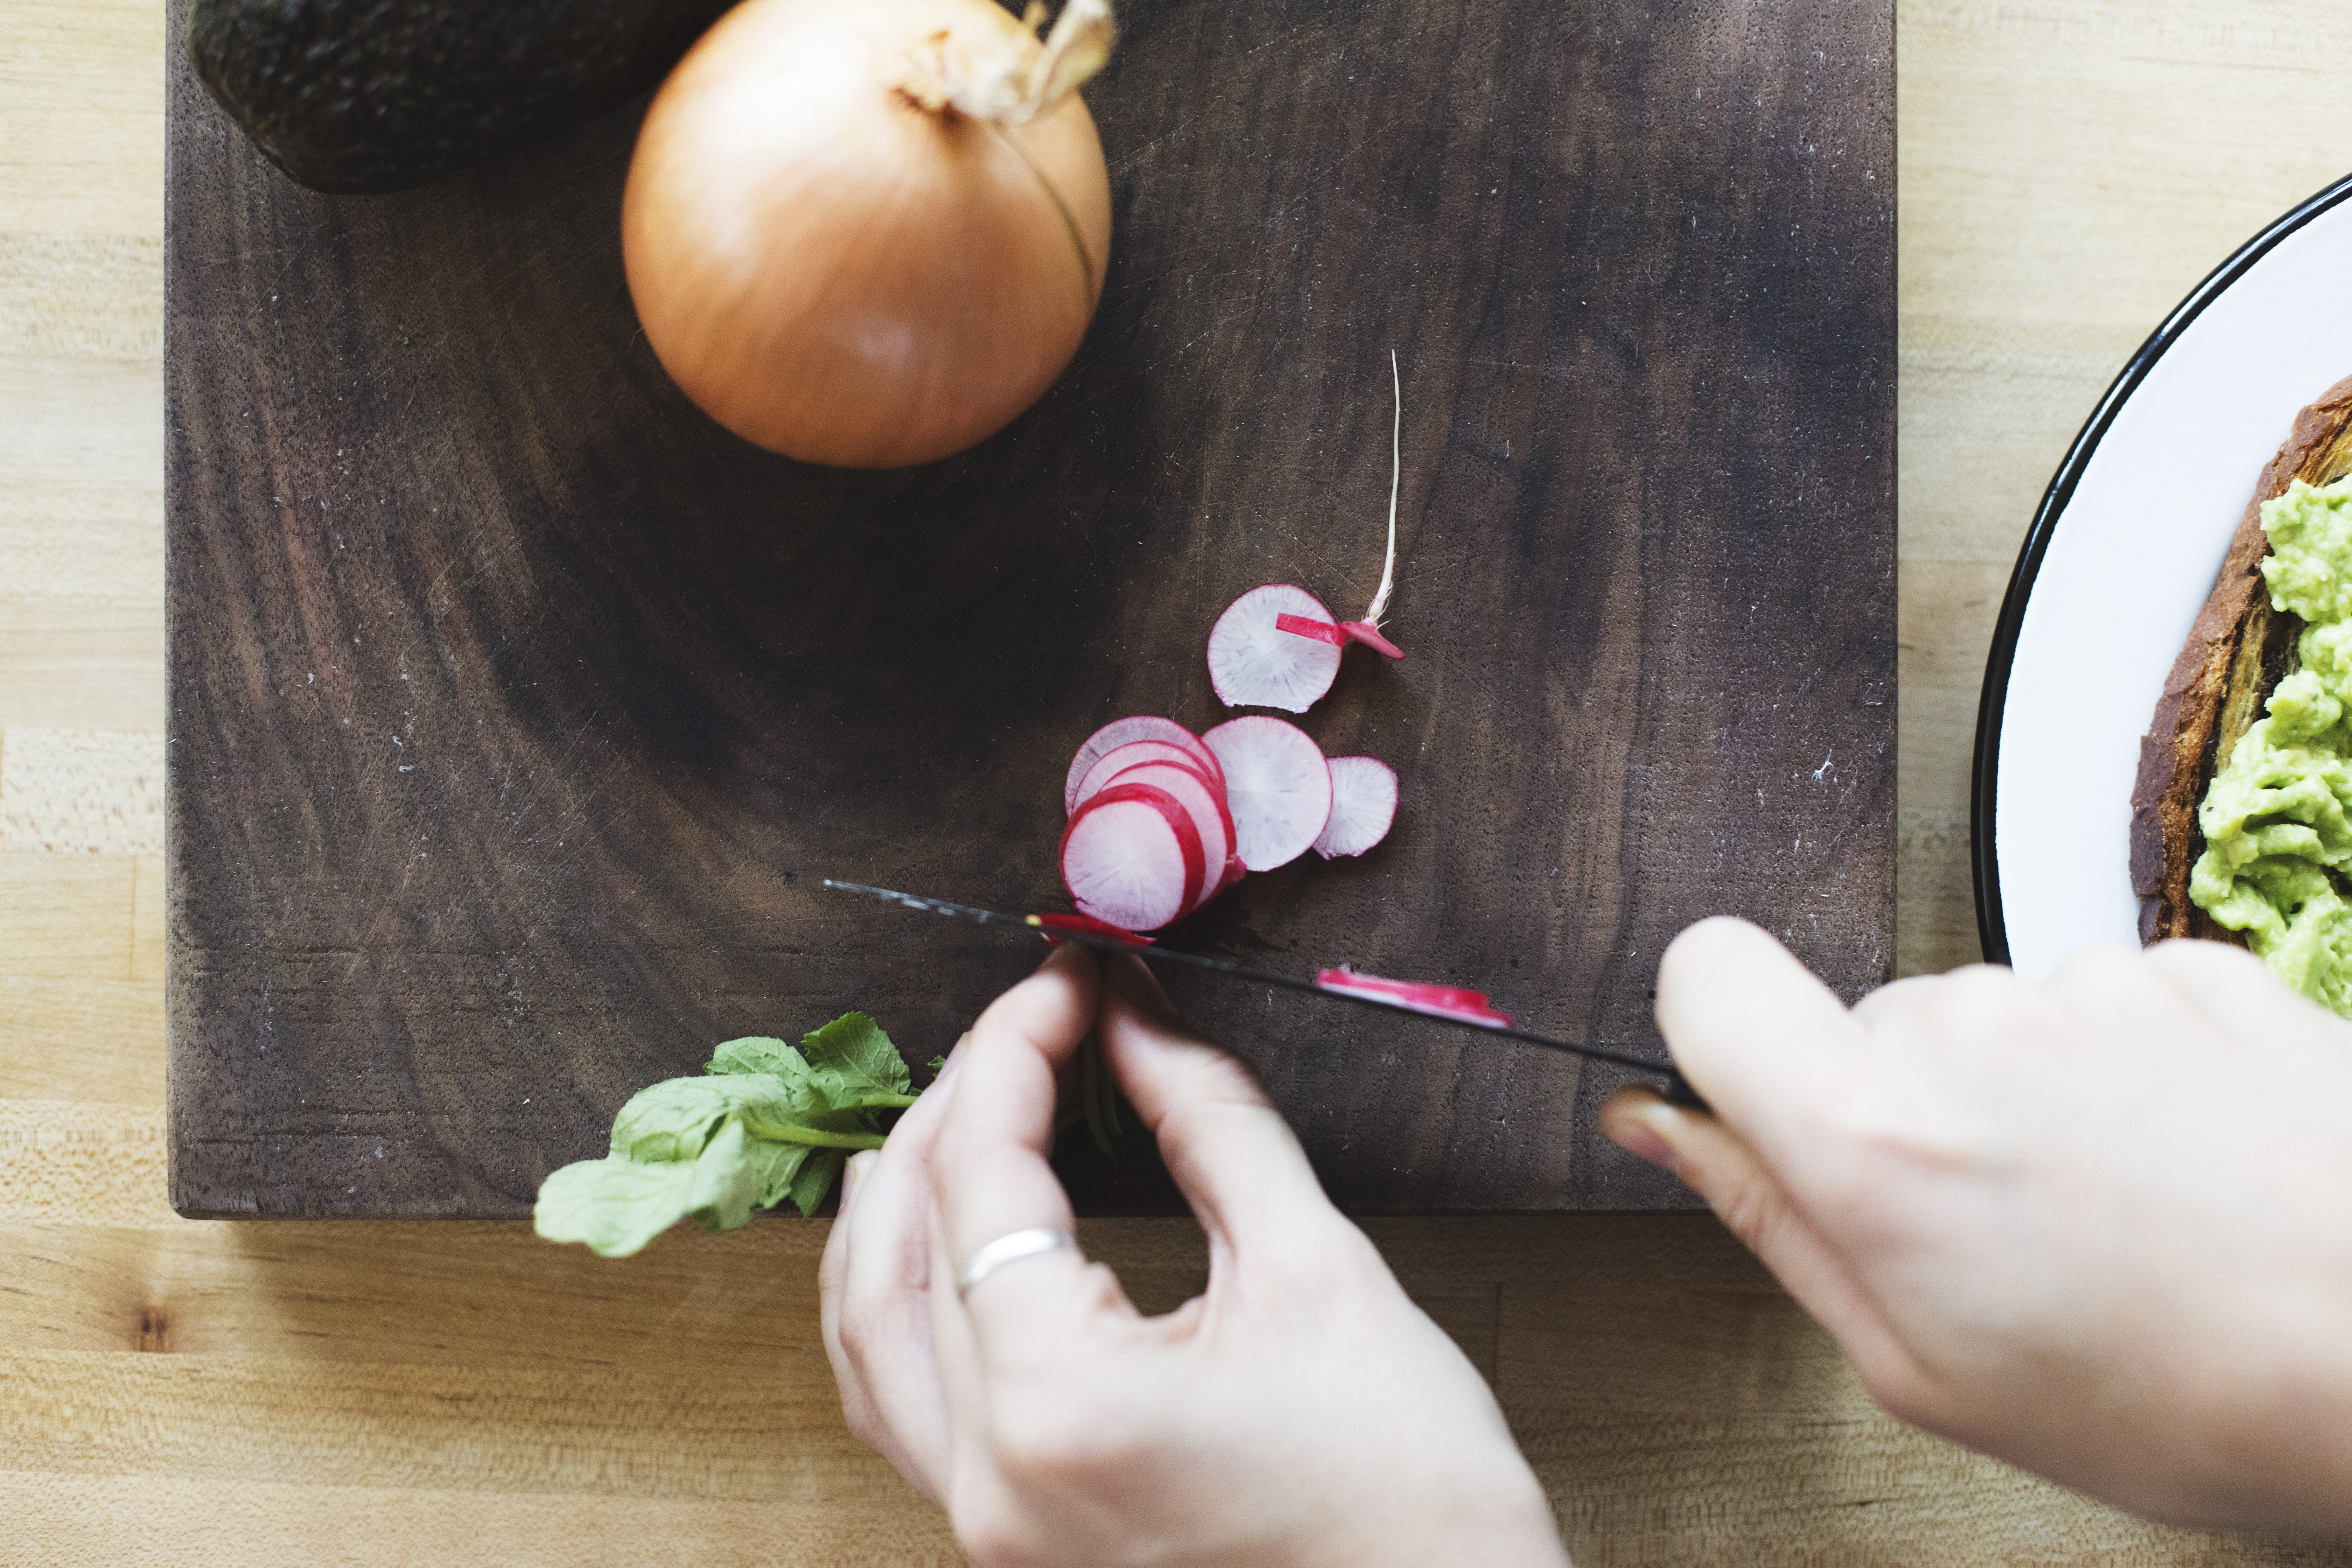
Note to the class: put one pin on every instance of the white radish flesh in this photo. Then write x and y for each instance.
(1254, 663)
(1133, 857)
(1120, 757)
(1209, 818)
(1277, 788)
(1118, 732)
(1363, 805)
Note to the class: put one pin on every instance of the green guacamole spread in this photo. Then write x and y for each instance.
(2278, 817)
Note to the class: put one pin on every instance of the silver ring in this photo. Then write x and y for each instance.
(1032, 1243)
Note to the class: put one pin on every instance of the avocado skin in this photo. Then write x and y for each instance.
(367, 96)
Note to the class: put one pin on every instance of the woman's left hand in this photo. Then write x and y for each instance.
(1301, 1411)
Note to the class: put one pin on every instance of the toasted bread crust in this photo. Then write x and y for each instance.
(2238, 650)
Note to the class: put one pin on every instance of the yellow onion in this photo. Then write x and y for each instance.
(869, 233)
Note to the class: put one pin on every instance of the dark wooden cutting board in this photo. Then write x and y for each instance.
(518, 711)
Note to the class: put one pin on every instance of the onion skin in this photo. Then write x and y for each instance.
(835, 272)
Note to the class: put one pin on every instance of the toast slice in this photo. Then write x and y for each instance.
(2239, 649)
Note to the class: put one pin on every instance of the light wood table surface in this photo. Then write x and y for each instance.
(178, 1392)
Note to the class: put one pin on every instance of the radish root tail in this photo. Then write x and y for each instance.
(1396, 469)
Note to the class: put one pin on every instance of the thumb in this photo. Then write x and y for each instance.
(1754, 1031)
(1714, 1163)
(1236, 1160)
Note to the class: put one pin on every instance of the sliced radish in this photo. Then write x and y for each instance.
(1308, 627)
(1254, 663)
(1369, 635)
(1090, 925)
(1133, 857)
(1277, 788)
(1118, 732)
(1416, 996)
(1211, 820)
(1112, 762)
(1363, 804)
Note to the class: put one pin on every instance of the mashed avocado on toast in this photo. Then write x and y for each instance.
(2277, 818)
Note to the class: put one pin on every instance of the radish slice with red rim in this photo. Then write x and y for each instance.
(1363, 805)
(1254, 663)
(1217, 876)
(1277, 788)
(1135, 752)
(1416, 996)
(1209, 818)
(1132, 857)
(1118, 732)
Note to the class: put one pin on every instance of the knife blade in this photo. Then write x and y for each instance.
(1677, 1089)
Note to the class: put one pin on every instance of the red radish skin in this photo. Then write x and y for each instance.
(1118, 732)
(1369, 635)
(1235, 872)
(1416, 996)
(1277, 788)
(1090, 925)
(1254, 663)
(1302, 627)
(1211, 820)
(1363, 805)
(1132, 857)
(1135, 752)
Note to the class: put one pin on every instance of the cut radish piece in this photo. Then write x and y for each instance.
(1133, 857)
(1416, 996)
(1118, 732)
(1363, 804)
(1137, 751)
(1303, 627)
(1254, 663)
(1369, 635)
(1277, 786)
(1211, 820)
(1204, 800)
(1090, 925)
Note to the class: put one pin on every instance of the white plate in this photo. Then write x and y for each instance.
(2120, 556)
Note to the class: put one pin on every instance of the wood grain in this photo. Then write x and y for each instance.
(98, 792)
(515, 724)
(2069, 168)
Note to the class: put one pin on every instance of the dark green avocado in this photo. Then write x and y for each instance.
(354, 96)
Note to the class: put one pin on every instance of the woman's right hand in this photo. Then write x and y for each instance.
(2100, 1226)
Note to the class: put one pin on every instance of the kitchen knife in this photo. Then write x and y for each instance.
(1341, 983)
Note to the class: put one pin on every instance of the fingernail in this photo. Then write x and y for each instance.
(853, 1175)
(1139, 988)
(1639, 1129)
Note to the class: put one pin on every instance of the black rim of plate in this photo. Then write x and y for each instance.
(1992, 930)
